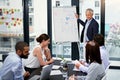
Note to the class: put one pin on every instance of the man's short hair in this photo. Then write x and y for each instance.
(20, 45)
(90, 10)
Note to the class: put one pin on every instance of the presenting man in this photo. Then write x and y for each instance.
(90, 26)
(12, 67)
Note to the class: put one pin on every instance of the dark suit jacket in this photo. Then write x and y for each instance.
(93, 29)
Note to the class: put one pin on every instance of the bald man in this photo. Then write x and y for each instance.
(90, 26)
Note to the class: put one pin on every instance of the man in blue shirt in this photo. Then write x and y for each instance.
(12, 67)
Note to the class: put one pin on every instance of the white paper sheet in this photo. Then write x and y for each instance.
(56, 72)
(55, 67)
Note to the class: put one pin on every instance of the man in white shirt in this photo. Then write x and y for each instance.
(12, 67)
(103, 52)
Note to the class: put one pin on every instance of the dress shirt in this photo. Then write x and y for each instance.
(85, 38)
(12, 68)
(104, 56)
(95, 71)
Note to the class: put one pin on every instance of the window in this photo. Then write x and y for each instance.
(97, 4)
(57, 3)
(112, 29)
(7, 2)
(4, 3)
(30, 2)
(31, 10)
(11, 24)
(97, 16)
(30, 20)
(37, 20)
(62, 50)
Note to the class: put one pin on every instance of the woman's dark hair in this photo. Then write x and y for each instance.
(42, 37)
(93, 52)
(99, 39)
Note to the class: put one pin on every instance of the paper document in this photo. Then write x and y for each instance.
(56, 72)
(55, 67)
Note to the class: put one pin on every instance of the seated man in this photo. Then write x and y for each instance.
(12, 67)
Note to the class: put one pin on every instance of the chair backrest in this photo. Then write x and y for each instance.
(107, 68)
(104, 77)
(45, 73)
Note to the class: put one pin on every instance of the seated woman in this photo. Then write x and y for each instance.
(40, 55)
(103, 53)
(95, 70)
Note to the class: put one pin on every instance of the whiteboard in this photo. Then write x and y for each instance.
(65, 24)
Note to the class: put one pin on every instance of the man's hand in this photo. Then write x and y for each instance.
(77, 65)
(76, 15)
(83, 62)
(72, 77)
(26, 74)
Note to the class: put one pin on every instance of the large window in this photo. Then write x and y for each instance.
(97, 3)
(112, 28)
(60, 49)
(93, 4)
(37, 20)
(97, 16)
(11, 24)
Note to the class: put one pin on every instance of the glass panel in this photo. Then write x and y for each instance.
(37, 20)
(112, 28)
(93, 4)
(62, 50)
(97, 3)
(83, 5)
(11, 24)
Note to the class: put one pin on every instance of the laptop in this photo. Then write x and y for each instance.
(45, 73)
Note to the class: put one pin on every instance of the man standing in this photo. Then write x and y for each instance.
(90, 26)
(12, 67)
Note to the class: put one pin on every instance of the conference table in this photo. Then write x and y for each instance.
(61, 71)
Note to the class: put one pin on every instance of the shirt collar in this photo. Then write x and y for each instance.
(90, 20)
(18, 56)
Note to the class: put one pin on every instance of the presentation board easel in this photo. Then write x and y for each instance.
(65, 25)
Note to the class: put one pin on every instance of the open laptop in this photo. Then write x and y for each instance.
(45, 73)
